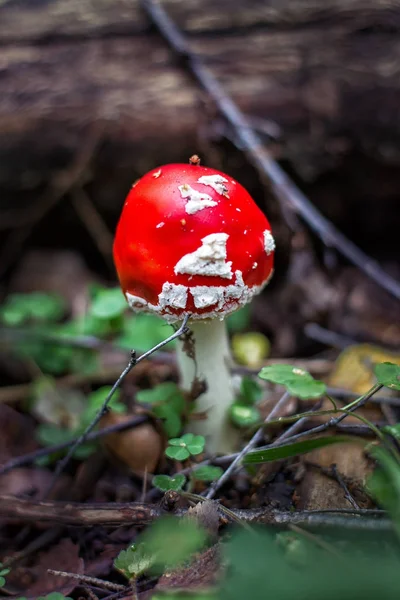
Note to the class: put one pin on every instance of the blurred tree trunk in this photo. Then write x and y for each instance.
(325, 73)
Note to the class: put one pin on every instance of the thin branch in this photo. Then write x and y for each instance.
(15, 393)
(94, 223)
(284, 189)
(319, 428)
(333, 473)
(257, 437)
(330, 338)
(58, 188)
(291, 434)
(101, 583)
(362, 430)
(132, 363)
(29, 458)
(228, 458)
(377, 399)
(137, 514)
(347, 494)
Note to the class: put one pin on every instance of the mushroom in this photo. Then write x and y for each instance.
(192, 241)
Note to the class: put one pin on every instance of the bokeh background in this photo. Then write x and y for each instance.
(91, 98)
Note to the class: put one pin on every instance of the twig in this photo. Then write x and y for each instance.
(330, 338)
(93, 222)
(347, 494)
(332, 422)
(287, 436)
(107, 585)
(90, 592)
(223, 460)
(44, 539)
(32, 456)
(60, 185)
(327, 337)
(377, 399)
(132, 363)
(333, 473)
(284, 189)
(134, 513)
(257, 437)
(362, 430)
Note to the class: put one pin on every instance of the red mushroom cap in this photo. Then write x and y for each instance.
(191, 240)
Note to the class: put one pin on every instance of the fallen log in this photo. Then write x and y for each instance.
(327, 76)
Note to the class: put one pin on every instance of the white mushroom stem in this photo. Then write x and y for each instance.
(211, 364)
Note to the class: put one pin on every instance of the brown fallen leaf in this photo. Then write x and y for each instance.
(33, 580)
(318, 492)
(352, 371)
(354, 367)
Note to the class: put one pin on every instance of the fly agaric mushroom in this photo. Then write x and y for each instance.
(192, 241)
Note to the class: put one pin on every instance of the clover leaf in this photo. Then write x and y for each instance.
(185, 446)
(297, 382)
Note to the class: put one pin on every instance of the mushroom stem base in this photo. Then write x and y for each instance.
(211, 365)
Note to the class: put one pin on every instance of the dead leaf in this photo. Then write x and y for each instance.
(64, 556)
(318, 492)
(354, 367)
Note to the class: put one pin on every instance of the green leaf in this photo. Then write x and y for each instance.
(288, 450)
(2, 581)
(172, 420)
(165, 483)
(250, 391)
(50, 435)
(51, 358)
(84, 361)
(260, 569)
(243, 415)
(194, 443)
(182, 595)
(177, 453)
(108, 304)
(388, 375)
(384, 483)
(54, 596)
(393, 430)
(207, 473)
(296, 548)
(172, 541)
(168, 403)
(95, 401)
(298, 382)
(88, 324)
(142, 332)
(239, 320)
(36, 306)
(133, 561)
(163, 392)
(181, 448)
